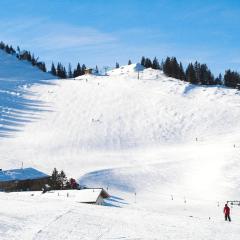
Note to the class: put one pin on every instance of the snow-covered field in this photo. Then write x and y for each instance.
(167, 151)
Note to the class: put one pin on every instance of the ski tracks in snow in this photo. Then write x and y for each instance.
(77, 224)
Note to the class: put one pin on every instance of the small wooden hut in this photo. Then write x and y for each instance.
(88, 71)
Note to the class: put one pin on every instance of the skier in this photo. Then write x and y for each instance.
(226, 212)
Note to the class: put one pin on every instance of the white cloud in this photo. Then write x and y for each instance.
(39, 33)
(60, 36)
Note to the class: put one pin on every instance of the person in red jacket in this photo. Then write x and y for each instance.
(226, 212)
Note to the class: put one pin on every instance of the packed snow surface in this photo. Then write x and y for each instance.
(167, 151)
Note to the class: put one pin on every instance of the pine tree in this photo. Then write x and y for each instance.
(174, 68)
(29, 57)
(64, 73)
(232, 79)
(7, 49)
(59, 70)
(219, 79)
(12, 50)
(54, 180)
(83, 69)
(96, 70)
(53, 70)
(190, 74)
(18, 50)
(41, 66)
(58, 180)
(197, 68)
(62, 179)
(155, 64)
(161, 66)
(33, 60)
(181, 72)
(204, 74)
(78, 71)
(143, 61)
(211, 79)
(148, 63)
(70, 75)
(167, 66)
(2, 45)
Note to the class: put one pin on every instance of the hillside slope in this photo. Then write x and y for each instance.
(147, 140)
(15, 76)
(81, 120)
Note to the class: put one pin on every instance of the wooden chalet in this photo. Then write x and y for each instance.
(24, 179)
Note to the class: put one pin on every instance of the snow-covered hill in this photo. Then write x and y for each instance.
(147, 140)
(15, 77)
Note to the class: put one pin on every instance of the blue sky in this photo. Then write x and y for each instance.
(105, 31)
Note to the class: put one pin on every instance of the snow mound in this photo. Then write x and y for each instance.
(127, 69)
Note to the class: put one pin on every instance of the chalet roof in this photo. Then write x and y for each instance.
(21, 174)
(90, 195)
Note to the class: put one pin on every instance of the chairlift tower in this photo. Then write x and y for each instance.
(105, 70)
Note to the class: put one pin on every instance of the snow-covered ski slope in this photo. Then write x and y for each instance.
(167, 151)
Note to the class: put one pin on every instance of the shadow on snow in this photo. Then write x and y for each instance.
(16, 109)
(108, 179)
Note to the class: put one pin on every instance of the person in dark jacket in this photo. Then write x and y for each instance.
(226, 212)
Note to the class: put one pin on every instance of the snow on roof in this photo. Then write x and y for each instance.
(21, 174)
(90, 195)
